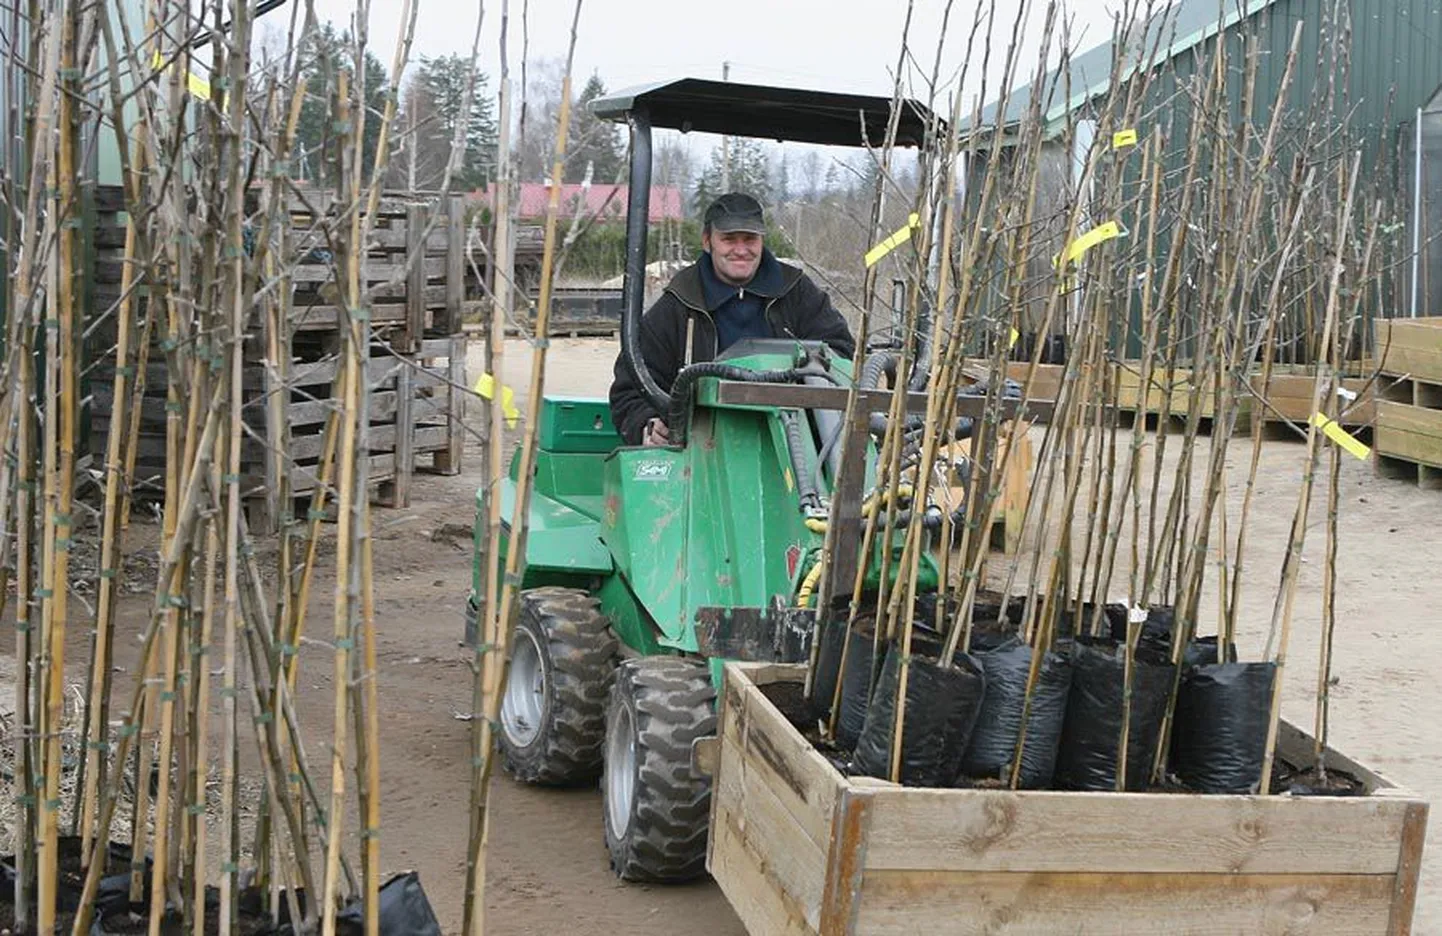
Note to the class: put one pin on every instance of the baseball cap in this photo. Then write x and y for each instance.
(736, 211)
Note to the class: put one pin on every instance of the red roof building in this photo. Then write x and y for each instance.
(607, 200)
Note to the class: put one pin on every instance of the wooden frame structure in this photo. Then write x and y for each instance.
(415, 275)
(799, 849)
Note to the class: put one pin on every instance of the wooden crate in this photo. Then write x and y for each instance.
(1410, 347)
(1046, 384)
(1290, 397)
(799, 849)
(1014, 493)
(1408, 439)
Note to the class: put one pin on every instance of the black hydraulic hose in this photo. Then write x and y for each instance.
(681, 390)
(795, 444)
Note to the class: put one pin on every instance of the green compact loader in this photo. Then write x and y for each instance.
(646, 567)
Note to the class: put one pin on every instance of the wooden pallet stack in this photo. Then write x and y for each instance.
(416, 369)
(1408, 439)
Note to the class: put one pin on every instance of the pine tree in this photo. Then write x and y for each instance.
(750, 173)
(444, 79)
(593, 142)
(324, 57)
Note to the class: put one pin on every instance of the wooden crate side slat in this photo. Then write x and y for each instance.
(1409, 870)
(757, 900)
(990, 830)
(780, 846)
(1175, 904)
(805, 783)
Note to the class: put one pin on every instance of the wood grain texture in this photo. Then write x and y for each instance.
(1093, 904)
(1409, 869)
(846, 860)
(992, 830)
(762, 906)
(781, 849)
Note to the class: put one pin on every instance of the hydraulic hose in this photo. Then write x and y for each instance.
(685, 385)
(795, 445)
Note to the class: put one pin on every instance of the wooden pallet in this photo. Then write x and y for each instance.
(1408, 440)
(1410, 347)
(1290, 398)
(800, 849)
(417, 364)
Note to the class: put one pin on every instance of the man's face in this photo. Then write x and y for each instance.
(734, 254)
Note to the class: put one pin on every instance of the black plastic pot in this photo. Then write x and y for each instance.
(1088, 755)
(942, 705)
(992, 747)
(1219, 731)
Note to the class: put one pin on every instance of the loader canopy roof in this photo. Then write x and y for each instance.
(823, 117)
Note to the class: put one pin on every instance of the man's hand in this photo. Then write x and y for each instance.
(655, 432)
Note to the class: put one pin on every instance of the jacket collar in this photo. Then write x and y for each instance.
(699, 287)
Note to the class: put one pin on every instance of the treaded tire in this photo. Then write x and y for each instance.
(574, 651)
(656, 830)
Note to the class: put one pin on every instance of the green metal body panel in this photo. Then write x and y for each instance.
(659, 533)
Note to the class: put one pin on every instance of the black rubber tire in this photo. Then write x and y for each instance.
(670, 702)
(578, 656)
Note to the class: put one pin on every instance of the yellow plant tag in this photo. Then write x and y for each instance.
(1097, 235)
(1014, 336)
(196, 85)
(1341, 436)
(486, 386)
(1124, 138)
(902, 235)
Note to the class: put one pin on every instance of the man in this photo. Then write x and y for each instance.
(736, 289)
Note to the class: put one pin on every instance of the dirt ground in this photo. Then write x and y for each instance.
(548, 870)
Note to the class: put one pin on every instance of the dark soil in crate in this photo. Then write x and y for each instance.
(1309, 783)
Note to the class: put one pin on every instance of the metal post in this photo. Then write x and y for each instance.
(1417, 215)
(633, 287)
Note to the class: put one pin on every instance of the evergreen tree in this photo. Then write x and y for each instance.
(750, 173)
(444, 80)
(323, 57)
(593, 142)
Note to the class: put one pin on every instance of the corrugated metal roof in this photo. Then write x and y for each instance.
(1177, 29)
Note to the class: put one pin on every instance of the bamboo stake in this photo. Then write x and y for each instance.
(62, 368)
(1291, 563)
(348, 399)
(501, 627)
(485, 676)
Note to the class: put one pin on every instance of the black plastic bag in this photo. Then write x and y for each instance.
(405, 910)
(993, 742)
(856, 685)
(942, 705)
(1219, 731)
(1156, 637)
(827, 669)
(1087, 758)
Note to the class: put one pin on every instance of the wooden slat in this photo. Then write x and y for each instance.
(1409, 870)
(315, 317)
(449, 461)
(1409, 432)
(416, 283)
(846, 857)
(1410, 346)
(1180, 904)
(431, 267)
(755, 897)
(455, 236)
(404, 436)
(801, 778)
(992, 830)
(779, 846)
(382, 408)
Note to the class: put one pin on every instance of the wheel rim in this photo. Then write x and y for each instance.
(524, 704)
(620, 770)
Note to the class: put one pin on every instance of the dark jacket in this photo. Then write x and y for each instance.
(794, 308)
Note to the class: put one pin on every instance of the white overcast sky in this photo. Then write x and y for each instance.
(841, 45)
